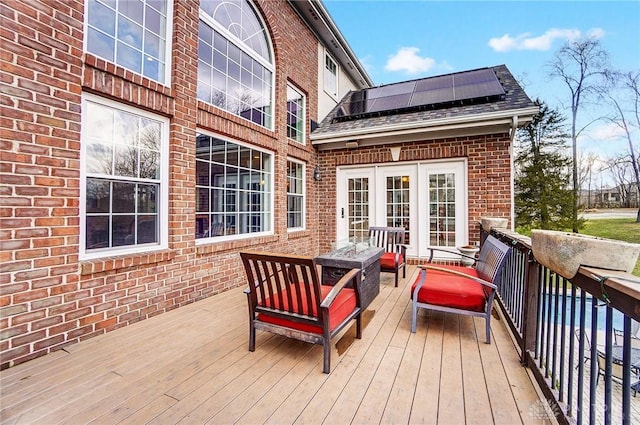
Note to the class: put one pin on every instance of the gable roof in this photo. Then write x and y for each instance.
(493, 111)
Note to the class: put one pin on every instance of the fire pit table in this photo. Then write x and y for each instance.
(338, 262)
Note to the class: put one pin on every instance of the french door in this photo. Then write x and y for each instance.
(427, 199)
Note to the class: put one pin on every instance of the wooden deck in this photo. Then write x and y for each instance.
(192, 366)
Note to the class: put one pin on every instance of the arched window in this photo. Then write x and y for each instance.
(235, 69)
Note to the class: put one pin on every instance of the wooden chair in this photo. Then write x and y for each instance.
(395, 251)
(285, 297)
(461, 290)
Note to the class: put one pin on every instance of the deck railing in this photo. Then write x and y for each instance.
(565, 332)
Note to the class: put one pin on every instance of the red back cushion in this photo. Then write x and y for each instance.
(342, 306)
(450, 290)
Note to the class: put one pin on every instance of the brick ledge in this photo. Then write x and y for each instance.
(99, 265)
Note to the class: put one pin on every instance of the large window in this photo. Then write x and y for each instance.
(235, 72)
(132, 34)
(295, 195)
(330, 75)
(295, 114)
(233, 189)
(124, 171)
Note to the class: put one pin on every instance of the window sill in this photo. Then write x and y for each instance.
(221, 246)
(298, 234)
(123, 262)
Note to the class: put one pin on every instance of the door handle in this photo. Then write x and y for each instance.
(342, 213)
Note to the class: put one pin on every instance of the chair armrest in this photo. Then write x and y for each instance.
(352, 275)
(448, 251)
(457, 273)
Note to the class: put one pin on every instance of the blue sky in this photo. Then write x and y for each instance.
(401, 40)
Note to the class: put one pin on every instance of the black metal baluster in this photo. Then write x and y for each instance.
(608, 382)
(594, 360)
(626, 372)
(572, 347)
(583, 307)
(563, 336)
(554, 323)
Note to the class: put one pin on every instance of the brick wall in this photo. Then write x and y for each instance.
(489, 172)
(49, 298)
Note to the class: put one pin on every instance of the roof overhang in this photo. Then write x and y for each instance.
(462, 126)
(320, 22)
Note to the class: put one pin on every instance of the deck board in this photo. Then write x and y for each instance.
(191, 365)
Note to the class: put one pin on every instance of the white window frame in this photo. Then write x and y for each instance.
(459, 169)
(163, 195)
(167, 48)
(302, 136)
(271, 210)
(418, 172)
(332, 91)
(302, 195)
(270, 66)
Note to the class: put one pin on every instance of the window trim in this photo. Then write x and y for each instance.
(168, 44)
(333, 93)
(303, 195)
(304, 114)
(240, 236)
(163, 195)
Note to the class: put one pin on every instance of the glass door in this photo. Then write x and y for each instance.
(428, 199)
(398, 200)
(355, 203)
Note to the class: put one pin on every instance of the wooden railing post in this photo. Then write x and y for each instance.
(530, 314)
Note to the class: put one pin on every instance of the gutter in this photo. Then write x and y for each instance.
(492, 118)
(514, 128)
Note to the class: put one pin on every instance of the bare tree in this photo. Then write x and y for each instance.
(580, 64)
(623, 93)
(619, 168)
(586, 166)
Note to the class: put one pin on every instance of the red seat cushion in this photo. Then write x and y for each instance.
(388, 261)
(450, 290)
(342, 306)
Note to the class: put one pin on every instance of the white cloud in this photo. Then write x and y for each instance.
(526, 41)
(407, 59)
(606, 132)
(596, 33)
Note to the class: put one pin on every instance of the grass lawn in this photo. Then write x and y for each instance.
(622, 229)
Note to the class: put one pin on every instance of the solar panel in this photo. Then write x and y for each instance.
(475, 86)
(389, 103)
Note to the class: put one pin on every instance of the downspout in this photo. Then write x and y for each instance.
(512, 136)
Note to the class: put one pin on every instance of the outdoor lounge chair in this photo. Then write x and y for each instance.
(617, 373)
(395, 251)
(285, 297)
(461, 290)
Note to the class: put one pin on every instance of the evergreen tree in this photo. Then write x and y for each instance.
(544, 198)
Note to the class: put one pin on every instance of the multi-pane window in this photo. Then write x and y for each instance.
(295, 195)
(397, 193)
(235, 72)
(442, 209)
(295, 114)
(358, 208)
(233, 188)
(124, 177)
(330, 75)
(130, 33)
